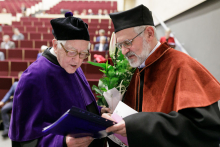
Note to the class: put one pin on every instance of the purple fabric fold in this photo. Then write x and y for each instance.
(50, 140)
(99, 108)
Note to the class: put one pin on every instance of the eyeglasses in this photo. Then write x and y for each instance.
(127, 43)
(73, 53)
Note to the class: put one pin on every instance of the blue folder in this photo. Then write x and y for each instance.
(80, 123)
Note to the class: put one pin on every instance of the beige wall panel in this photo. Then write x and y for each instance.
(128, 4)
(167, 9)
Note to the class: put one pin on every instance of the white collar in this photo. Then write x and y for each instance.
(143, 64)
(52, 52)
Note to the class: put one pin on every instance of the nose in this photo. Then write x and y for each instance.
(76, 58)
(124, 50)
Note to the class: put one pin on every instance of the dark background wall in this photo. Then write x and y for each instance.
(198, 30)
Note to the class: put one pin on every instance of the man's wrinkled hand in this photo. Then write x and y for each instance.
(118, 128)
(105, 110)
(78, 142)
(1, 104)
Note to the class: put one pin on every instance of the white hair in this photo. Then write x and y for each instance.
(102, 31)
(102, 38)
(16, 29)
(168, 30)
(64, 42)
(138, 29)
(59, 43)
(6, 36)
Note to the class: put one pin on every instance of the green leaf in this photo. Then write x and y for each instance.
(101, 84)
(97, 90)
(120, 56)
(106, 80)
(112, 73)
(106, 66)
(103, 89)
(122, 70)
(103, 71)
(99, 102)
(113, 83)
(104, 102)
(99, 96)
(110, 67)
(102, 65)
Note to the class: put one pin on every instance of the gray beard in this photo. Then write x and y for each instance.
(140, 58)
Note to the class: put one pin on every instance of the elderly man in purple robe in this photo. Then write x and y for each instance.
(52, 85)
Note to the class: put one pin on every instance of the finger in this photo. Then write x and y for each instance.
(113, 128)
(103, 110)
(121, 132)
(107, 116)
(81, 140)
(84, 144)
(116, 127)
(125, 135)
(74, 143)
(107, 110)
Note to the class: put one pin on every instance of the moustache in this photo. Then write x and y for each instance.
(129, 54)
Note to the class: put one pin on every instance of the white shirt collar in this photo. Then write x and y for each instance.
(52, 51)
(143, 64)
(101, 47)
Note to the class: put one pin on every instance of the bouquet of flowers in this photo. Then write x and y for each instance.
(113, 84)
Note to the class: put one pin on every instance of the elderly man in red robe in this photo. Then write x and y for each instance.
(175, 95)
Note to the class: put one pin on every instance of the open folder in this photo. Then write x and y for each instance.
(80, 123)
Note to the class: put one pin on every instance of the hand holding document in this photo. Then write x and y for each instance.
(121, 111)
(80, 123)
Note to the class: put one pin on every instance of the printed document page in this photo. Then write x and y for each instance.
(124, 110)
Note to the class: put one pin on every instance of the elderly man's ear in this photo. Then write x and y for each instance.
(55, 45)
(149, 33)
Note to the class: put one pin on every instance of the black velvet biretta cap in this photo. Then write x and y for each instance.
(136, 16)
(70, 28)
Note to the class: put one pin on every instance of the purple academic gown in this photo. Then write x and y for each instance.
(46, 91)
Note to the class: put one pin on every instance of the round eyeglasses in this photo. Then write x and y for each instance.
(127, 43)
(73, 53)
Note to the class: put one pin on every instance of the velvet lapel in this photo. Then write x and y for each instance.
(163, 48)
(130, 96)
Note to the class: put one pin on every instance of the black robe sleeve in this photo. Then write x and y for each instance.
(191, 127)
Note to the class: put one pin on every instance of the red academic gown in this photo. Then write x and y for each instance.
(178, 103)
